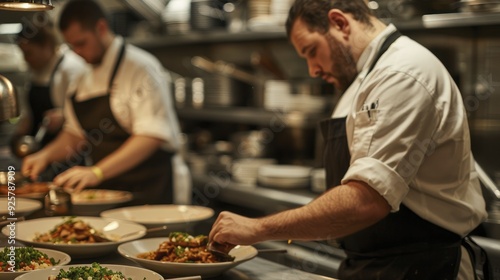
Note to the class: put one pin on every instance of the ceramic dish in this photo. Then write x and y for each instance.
(284, 176)
(131, 249)
(63, 259)
(176, 217)
(111, 228)
(92, 202)
(19, 207)
(129, 271)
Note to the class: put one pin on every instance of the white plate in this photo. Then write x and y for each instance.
(21, 206)
(92, 202)
(63, 259)
(176, 217)
(111, 228)
(285, 171)
(284, 183)
(131, 249)
(128, 271)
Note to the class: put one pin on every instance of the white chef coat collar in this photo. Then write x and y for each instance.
(344, 104)
(368, 55)
(97, 82)
(110, 55)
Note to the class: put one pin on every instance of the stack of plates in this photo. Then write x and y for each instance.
(277, 95)
(176, 16)
(258, 8)
(246, 170)
(318, 180)
(206, 15)
(279, 10)
(284, 176)
(307, 103)
(260, 17)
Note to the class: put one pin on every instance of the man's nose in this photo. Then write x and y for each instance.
(314, 70)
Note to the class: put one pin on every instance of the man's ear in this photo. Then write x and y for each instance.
(339, 21)
(101, 27)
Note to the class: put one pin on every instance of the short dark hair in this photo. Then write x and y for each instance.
(315, 12)
(39, 30)
(85, 12)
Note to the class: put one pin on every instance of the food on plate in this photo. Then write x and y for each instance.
(27, 188)
(72, 231)
(25, 259)
(93, 272)
(182, 247)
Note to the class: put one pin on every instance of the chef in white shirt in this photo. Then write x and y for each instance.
(54, 68)
(54, 72)
(120, 116)
(402, 191)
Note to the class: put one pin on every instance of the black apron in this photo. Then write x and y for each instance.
(150, 181)
(400, 246)
(40, 101)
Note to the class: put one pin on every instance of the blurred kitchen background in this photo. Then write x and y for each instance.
(245, 100)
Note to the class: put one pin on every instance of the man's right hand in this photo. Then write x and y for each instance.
(34, 164)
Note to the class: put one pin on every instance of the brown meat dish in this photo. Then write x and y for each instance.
(182, 248)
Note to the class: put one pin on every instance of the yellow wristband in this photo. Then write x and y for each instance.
(97, 172)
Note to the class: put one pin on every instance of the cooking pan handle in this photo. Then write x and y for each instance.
(486, 180)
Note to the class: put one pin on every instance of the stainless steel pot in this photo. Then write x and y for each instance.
(223, 84)
(9, 106)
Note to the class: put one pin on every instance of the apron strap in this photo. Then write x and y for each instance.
(55, 69)
(385, 46)
(117, 65)
(478, 257)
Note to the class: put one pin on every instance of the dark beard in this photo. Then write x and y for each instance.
(342, 63)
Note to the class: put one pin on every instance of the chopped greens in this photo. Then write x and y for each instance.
(93, 272)
(25, 259)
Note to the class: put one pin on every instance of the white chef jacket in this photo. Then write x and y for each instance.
(66, 75)
(140, 100)
(408, 135)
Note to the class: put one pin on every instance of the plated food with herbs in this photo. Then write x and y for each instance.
(72, 230)
(80, 237)
(172, 256)
(182, 247)
(15, 261)
(94, 271)
(25, 259)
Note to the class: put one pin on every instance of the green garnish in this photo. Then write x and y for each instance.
(24, 256)
(95, 271)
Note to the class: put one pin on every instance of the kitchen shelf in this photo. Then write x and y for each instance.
(446, 20)
(460, 20)
(255, 116)
(219, 36)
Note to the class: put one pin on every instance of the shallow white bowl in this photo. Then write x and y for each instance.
(62, 257)
(21, 206)
(176, 217)
(128, 271)
(26, 231)
(131, 249)
(91, 202)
